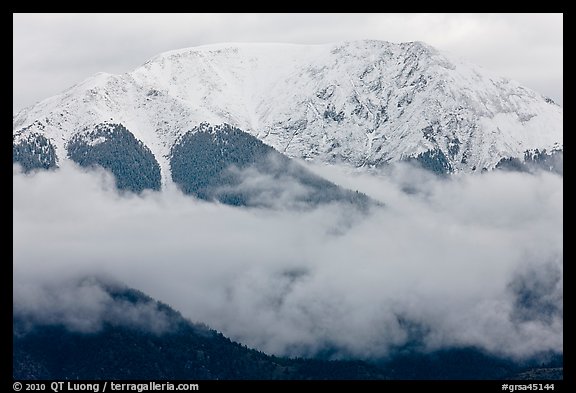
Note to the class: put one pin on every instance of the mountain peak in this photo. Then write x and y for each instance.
(363, 103)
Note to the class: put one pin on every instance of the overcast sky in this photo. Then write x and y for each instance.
(52, 52)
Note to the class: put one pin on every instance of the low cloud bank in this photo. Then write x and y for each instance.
(473, 260)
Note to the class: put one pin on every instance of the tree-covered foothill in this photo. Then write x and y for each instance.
(184, 350)
(433, 160)
(225, 164)
(534, 160)
(114, 148)
(34, 152)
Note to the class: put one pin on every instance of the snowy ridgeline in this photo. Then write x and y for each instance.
(364, 103)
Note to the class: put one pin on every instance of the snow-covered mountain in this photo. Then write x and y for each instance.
(364, 103)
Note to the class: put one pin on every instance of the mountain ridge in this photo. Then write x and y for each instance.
(127, 345)
(364, 103)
